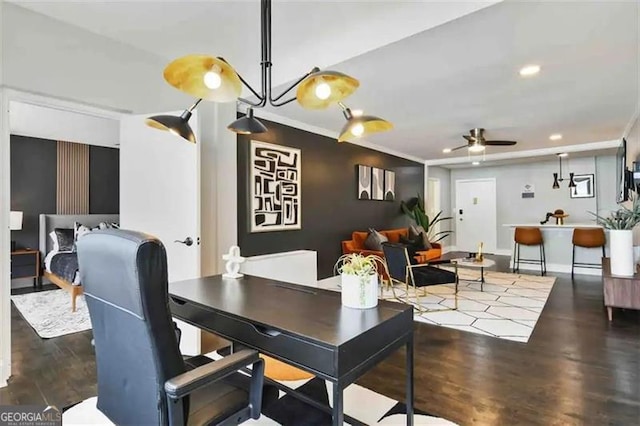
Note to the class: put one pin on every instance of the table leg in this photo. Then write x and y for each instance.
(409, 372)
(482, 278)
(338, 405)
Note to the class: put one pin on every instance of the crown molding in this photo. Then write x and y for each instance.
(592, 146)
(276, 118)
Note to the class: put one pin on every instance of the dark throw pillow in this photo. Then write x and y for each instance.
(426, 244)
(413, 246)
(66, 238)
(415, 231)
(374, 240)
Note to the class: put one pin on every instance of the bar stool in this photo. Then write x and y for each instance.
(587, 238)
(529, 237)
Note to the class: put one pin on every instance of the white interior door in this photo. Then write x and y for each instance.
(475, 215)
(160, 195)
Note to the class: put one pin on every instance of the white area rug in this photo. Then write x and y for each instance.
(49, 313)
(508, 308)
(360, 403)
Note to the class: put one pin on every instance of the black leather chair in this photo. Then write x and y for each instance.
(142, 377)
(402, 270)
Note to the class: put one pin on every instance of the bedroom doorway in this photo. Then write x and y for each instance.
(47, 134)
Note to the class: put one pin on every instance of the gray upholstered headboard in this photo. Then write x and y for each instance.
(49, 222)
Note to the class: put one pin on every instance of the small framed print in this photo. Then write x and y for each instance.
(364, 182)
(585, 186)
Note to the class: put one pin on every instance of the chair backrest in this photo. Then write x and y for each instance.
(589, 237)
(124, 275)
(528, 236)
(396, 257)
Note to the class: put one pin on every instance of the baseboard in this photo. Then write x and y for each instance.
(503, 252)
(559, 268)
(3, 379)
(448, 249)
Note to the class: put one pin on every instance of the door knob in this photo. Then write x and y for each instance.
(187, 242)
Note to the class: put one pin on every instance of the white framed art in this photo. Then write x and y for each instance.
(275, 179)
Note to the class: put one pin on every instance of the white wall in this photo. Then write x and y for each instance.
(297, 267)
(49, 57)
(56, 124)
(512, 208)
(444, 175)
(218, 174)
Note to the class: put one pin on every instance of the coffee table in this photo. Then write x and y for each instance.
(466, 262)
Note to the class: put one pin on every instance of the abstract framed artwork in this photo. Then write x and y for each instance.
(389, 185)
(585, 186)
(377, 184)
(275, 188)
(364, 182)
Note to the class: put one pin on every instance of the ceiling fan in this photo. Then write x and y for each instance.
(477, 142)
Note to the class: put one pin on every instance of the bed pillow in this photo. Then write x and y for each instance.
(65, 238)
(79, 231)
(54, 241)
(107, 225)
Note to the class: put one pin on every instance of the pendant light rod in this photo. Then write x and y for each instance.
(195, 104)
(265, 94)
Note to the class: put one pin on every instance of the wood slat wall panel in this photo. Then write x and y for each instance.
(73, 178)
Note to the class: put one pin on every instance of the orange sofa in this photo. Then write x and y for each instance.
(356, 245)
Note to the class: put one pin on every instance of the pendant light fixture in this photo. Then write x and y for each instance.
(362, 125)
(214, 79)
(247, 125)
(557, 177)
(178, 125)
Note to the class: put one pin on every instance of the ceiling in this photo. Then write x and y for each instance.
(435, 69)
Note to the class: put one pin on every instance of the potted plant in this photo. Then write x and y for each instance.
(359, 275)
(620, 225)
(414, 208)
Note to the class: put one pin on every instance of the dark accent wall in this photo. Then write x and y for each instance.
(33, 183)
(330, 208)
(104, 180)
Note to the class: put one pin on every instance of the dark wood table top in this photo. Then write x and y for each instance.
(311, 313)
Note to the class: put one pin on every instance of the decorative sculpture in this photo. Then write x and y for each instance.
(234, 260)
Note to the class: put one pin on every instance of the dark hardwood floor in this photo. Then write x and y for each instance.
(577, 368)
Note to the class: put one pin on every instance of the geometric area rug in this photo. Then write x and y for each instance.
(363, 404)
(508, 307)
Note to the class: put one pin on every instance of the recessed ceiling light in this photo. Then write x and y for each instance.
(476, 163)
(446, 150)
(555, 137)
(357, 112)
(564, 154)
(529, 70)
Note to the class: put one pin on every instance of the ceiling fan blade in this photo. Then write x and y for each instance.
(500, 143)
(459, 147)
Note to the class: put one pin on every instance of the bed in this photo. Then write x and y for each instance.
(48, 223)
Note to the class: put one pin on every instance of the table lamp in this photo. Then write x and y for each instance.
(15, 224)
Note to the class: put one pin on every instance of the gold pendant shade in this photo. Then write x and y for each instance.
(357, 127)
(321, 89)
(190, 74)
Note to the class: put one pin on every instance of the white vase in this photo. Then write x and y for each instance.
(359, 292)
(621, 252)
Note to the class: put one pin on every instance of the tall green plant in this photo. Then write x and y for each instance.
(414, 208)
(623, 218)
